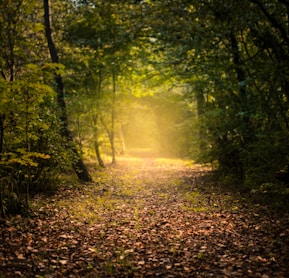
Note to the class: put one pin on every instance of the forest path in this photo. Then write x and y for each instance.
(146, 217)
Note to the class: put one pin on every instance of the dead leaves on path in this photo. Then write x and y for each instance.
(148, 219)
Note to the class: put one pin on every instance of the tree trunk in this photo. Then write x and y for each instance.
(241, 78)
(113, 118)
(78, 165)
(95, 119)
(96, 142)
(2, 118)
(200, 111)
(121, 136)
(110, 138)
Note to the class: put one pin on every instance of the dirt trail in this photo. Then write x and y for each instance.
(146, 217)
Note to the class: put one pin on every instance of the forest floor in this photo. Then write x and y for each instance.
(146, 217)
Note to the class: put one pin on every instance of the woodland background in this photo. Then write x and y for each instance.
(85, 80)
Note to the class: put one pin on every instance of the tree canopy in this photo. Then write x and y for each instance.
(206, 80)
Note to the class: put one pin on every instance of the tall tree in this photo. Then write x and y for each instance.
(77, 163)
(105, 30)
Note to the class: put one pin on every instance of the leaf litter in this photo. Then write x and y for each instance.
(146, 218)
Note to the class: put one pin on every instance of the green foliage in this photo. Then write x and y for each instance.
(31, 150)
(274, 194)
(222, 49)
(209, 78)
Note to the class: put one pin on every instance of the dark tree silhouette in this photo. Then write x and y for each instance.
(77, 164)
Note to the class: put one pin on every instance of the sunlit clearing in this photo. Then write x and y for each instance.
(150, 132)
(141, 134)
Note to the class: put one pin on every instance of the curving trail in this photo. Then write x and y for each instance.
(146, 217)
